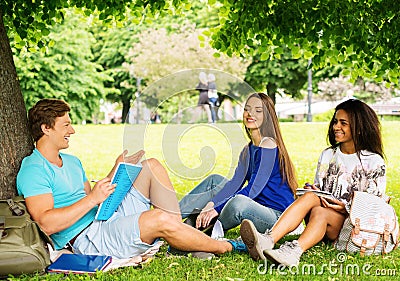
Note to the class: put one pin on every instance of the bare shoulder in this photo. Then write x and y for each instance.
(268, 142)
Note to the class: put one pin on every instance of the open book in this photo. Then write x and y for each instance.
(320, 193)
(124, 176)
(75, 263)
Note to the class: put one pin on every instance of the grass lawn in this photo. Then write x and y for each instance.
(189, 153)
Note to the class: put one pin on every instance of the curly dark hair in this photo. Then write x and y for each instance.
(364, 125)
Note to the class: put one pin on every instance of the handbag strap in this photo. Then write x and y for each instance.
(2, 227)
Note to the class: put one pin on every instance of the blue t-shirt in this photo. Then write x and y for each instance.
(38, 176)
(260, 168)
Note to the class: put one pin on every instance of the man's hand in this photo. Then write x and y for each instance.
(206, 215)
(133, 159)
(101, 190)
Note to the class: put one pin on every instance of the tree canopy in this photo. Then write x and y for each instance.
(364, 36)
(66, 70)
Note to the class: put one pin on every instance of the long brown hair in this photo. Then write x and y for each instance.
(286, 166)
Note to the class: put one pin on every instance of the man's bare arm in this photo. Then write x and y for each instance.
(52, 220)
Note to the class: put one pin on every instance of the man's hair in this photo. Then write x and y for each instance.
(45, 112)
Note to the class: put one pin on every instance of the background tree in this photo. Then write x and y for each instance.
(65, 70)
(112, 45)
(287, 74)
(181, 50)
(114, 42)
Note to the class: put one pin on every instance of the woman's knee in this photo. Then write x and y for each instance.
(308, 196)
(318, 213)
(237, 204)
(215, 178)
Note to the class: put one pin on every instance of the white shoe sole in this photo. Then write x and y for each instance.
(272, 256)
(249, 233)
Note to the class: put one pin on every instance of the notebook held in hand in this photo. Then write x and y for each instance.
(320, 193)
(124, 177)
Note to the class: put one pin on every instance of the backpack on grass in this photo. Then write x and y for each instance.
(23, 246)
(371, 228)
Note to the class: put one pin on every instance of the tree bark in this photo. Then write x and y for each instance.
(126, 105)
(271, 91)
(15, 139)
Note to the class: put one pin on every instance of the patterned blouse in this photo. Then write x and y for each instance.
(342, 174)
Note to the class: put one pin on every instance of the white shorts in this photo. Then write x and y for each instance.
(119, 236)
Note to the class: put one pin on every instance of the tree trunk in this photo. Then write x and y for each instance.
(15, 139)
(126, 105)
(271, 91)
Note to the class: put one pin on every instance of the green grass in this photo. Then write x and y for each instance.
(179, 148)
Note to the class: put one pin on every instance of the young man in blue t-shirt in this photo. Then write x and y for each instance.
(60, 198)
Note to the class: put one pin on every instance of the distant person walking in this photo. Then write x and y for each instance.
(213, 97)
(203, 103)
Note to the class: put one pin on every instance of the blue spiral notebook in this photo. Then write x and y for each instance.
(124, 176)
(75, 263)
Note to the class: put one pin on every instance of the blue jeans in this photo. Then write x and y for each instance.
(238, 208)
(201, 194)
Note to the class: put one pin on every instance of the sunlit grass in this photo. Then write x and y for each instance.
(98, 146)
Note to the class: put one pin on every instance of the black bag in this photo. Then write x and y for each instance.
(191, 220)
(23, 245)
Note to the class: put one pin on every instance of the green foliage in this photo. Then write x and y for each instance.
(362, 35)
(285, 73)
(29, 22)
(65, 70)
(117, 44)
(180, 51)
(324, 117)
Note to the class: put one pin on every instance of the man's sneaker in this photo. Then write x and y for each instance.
(256, 242)
(198, 255)
(288, 254)
(237, 245)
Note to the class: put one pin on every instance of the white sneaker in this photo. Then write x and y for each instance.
(288, 254)
(256, 242)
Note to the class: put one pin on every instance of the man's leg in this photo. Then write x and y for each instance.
(155, 224)
(153, 182)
